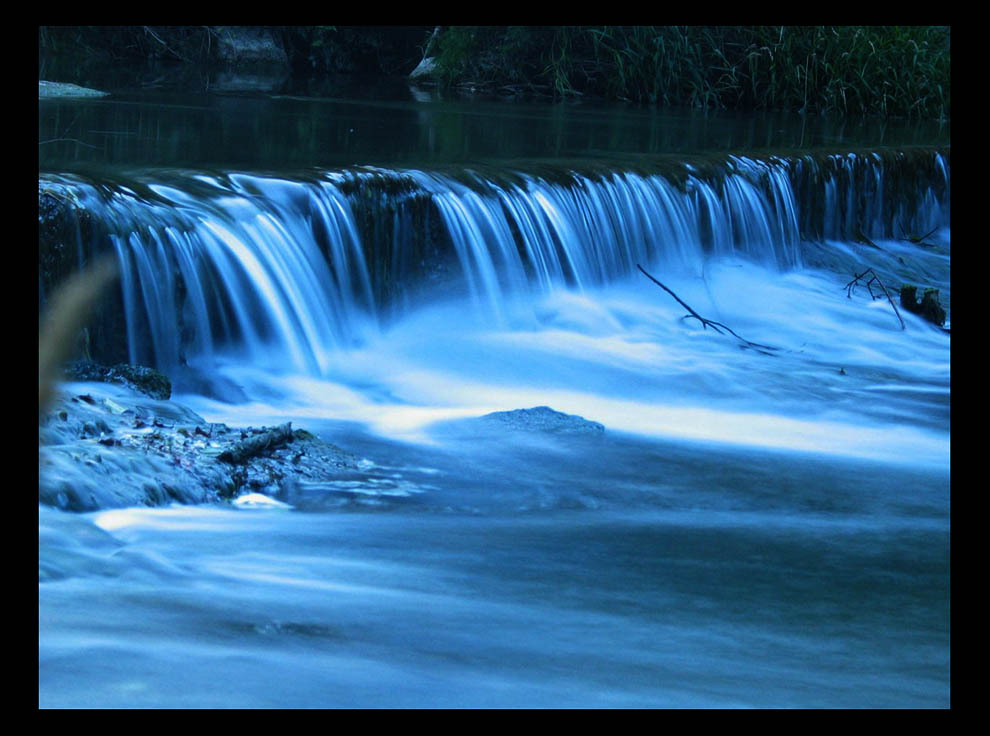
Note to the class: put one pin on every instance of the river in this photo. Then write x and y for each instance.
(763, 523)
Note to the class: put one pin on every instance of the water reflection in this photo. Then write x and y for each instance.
(404, 125)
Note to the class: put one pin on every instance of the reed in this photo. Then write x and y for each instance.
(67, 314)
(846, 70)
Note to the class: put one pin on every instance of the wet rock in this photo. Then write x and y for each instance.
(542, 419)
(64, 89)
(62, 225)
(929, 307)
(118, 448)
(426, 69)
(258, 443)
(249, 47)
(140, 378)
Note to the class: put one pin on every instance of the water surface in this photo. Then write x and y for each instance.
(754, 528)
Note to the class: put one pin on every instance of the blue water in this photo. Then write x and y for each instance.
(682, 577)
(749, 531)
(755, 528)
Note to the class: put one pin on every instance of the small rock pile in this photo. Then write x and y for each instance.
(106, 445)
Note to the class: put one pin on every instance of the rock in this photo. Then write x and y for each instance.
(542, 419)
(115, 447)
(145, 380)
(426, 69)
(249, 46)
(267, 439)
(62, 223)
(929, 307)
(63, 89)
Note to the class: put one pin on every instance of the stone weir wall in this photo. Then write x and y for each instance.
(407, 245)
(881, 193)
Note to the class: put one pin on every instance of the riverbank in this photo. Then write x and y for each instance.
(64, 89)
(108, 442)
(888, 71)
(107, 445)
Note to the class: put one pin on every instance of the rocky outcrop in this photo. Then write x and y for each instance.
(249, 46)
(64, 89)
(139, 378)
(426, 70)
(104, 445)
(929, 307)
(62, 227)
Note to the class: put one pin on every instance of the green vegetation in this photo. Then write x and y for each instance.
(842, 70)
(311, 50)
(887, 70)
(378, 50)
(180, 43)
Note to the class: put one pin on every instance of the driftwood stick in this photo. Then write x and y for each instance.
(916, 240)
(705, 322)
(852, 284)
(248, 448)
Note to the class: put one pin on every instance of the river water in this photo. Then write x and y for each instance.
(758, 526)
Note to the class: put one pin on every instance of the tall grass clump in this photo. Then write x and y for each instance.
(881, 70)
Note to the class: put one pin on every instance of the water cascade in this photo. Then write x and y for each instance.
(500, 467)
(299, 267)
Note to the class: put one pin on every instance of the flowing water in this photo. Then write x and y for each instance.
(764, 521)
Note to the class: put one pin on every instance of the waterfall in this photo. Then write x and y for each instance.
(286, 271)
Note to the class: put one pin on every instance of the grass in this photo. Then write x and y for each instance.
(846, 70)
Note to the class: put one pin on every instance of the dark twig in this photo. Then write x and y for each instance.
(62, 137)
(855, 281)
(67, 140)
(167, 48)
(707, 322)
(919, 241)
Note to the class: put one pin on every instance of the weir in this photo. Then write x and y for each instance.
(298, 266)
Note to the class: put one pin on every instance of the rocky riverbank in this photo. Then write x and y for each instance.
(113, 438)
(65, 89)
(106, 445)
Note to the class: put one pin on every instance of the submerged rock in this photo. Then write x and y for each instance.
(542, 419)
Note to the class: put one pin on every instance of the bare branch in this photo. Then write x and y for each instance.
(707, 322)
(855, 281)
(167, 48)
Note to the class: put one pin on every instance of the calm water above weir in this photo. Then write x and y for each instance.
(754, 528)
(280, 132)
